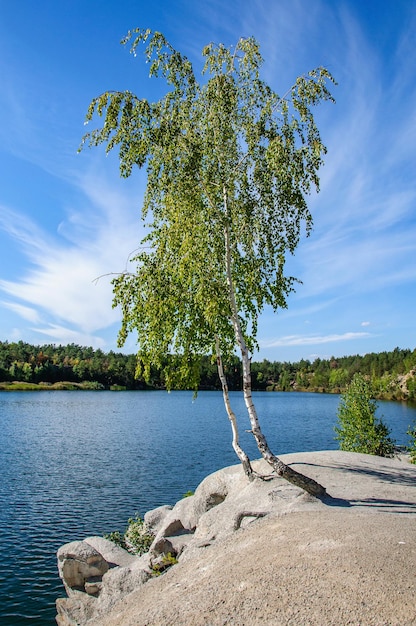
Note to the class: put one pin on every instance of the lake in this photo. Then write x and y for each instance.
(74, 464)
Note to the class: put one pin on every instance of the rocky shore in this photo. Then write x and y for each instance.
(262, 552)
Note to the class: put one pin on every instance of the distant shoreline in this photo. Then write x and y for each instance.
(96, 386)
(58, 386)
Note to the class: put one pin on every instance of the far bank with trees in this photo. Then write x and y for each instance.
(392, 374)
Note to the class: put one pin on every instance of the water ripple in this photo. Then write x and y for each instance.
(76, 464)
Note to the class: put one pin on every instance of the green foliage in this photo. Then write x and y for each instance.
(359, 429)
(229, 165)
(188, 494)
(412, 448)
(167, 561)
(116, 537)
(92, 385)
(50, 364)
(135, 539)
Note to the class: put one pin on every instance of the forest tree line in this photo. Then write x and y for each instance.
(392, 374)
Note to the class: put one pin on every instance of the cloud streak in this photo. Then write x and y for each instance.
(365, 231)
(60, 288)
(309, 340)
(28, 313)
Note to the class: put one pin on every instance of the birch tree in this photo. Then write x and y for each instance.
(229, 166)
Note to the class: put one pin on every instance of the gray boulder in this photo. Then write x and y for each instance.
(75, 610)
(153, 519)
(96, 573)
(224, 503)
(79, 562)
(120, 581)
(178, 525)
(112, 553)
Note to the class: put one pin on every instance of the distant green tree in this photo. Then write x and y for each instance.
(359, 429)
(338, 377)
(284, 380)
(229, 165)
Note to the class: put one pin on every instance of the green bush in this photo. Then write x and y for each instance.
(91, 385)
(359, 430)
(136, 539)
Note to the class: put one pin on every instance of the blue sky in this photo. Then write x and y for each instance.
(67, 218)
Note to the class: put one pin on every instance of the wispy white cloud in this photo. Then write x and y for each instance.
(63, 335)
(24, 231)
(365, 230)
(336, 263)
(311, 340)
(60, 287)
(28, 313)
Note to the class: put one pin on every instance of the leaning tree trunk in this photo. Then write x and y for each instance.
(281, 469)
(245, 461)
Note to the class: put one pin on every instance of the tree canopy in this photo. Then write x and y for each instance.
(229, 163)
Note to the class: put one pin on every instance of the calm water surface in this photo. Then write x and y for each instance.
(74, 464)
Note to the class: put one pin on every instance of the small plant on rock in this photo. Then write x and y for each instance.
(137, 536)
(116, 537)
(164, 563)
(136, 539)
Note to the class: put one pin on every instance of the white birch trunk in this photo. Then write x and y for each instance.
(281, 469)
(245, 461)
